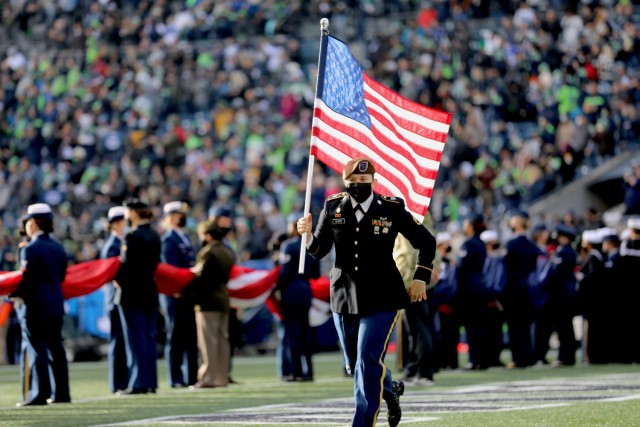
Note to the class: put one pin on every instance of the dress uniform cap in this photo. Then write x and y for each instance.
(519, 213)
(174, 207)
(591, 236)
(611, 238)
(634, 223)
(443, 237)
(221, 211)
(489, 236)
(606, 231)
(38, 211)
(358, 166)
(135, 204)
(566, 230)
(538, 228)
(116, 213)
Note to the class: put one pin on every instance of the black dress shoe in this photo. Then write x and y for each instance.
(129, 391)
(52, 401)
(151, 390)
(31, 403)
(394, 412)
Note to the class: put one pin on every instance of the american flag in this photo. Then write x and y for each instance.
(355, 116)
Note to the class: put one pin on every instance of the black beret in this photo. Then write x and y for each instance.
(566, 230)
(136, 204)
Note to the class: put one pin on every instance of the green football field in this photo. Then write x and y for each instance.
(570, 396)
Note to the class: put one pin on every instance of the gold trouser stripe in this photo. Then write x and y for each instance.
(384, 368)
(426, 268)
(27, 378)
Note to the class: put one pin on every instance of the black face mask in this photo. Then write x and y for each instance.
(219, 233)
(129, 223)
(360, 191)
(182, 221)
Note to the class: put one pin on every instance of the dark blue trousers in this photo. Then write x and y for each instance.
(42, 349)
(297, 340)
(118, 372)
(369, 336)
(140, 339)
(181, 348)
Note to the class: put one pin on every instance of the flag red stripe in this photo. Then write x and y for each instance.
(406, 104)
(422, 131)
(378, 147)
(383, 146)
(410, 203)
(419, 150)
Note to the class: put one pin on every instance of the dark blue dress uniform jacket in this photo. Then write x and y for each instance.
(111, 249)
(141, 256)
(41, 285)
(365, 278)
(175, 250)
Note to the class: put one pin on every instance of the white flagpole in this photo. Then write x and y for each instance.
(324, 34)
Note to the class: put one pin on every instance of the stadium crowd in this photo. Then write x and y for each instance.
(210, 102)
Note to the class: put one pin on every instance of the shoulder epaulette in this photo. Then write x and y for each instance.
(391, 199)
(336, 196)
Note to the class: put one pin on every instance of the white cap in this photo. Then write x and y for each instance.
(591, 236)
(489, 236)
(39, 210)
(443, 237)
(634, 223)
(116, 213)
(173, 207)
(606, 231)
(626, 233)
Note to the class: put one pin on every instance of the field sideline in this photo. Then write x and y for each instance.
(578, 396)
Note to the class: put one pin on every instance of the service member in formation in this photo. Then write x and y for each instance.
(208, 291)
(630, 265)
(295, 302)
(139, 300)
(561, 305)
(367, 291)
(117, 354)
(44, 265)
(181, 348)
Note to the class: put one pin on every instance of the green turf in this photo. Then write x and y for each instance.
(259, 386)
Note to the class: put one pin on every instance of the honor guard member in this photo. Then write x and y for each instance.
(592, 278)
(181, 347)
(561, 303)
(630, 260)
(44, 265)
(473, 292)
(295, 302)
(615, 287)
(520, 261)
(367, 291)
(494, 275)
(139, 300)
(118, 374)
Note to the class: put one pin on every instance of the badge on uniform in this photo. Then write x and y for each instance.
(362, 166)
(336, 221)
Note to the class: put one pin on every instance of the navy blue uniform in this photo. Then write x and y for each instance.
(630, 265)
(118, 373)
(520, 261)
(181, 348)
(139, 303)
(560, 308)
(367, 290)
(473, 297)
(45, 265)
(589, 295)
(295, 291)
